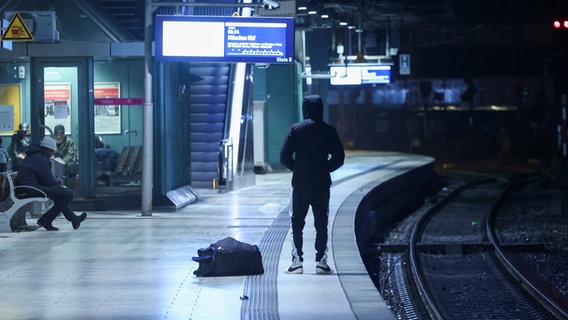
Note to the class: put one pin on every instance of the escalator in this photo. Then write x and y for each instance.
(208, 107)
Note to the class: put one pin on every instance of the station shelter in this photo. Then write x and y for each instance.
(213, 123)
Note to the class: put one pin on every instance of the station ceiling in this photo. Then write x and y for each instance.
(435, 27)
(435, 15)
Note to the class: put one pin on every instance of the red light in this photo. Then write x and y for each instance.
(560, 24)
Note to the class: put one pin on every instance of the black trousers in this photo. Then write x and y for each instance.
(302, 199)
(61, 197)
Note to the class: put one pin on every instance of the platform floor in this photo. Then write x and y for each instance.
(121, 265)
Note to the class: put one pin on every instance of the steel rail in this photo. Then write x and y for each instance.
(425, 296)
(526, 284)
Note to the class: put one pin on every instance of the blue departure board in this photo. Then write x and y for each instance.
(224, 39)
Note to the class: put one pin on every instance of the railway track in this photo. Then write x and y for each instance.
(450, 261)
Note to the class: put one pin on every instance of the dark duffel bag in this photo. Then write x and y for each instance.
(228, 257)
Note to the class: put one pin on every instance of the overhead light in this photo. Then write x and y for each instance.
(270, 4)
(312, 12)
(350, 27)
(342, 23)
(302, 8)
(324, 16)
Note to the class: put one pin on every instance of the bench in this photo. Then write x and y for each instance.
(16, 202)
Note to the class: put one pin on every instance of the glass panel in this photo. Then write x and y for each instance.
(60, 114)
(118, 128)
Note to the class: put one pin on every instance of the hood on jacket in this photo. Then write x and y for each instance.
(33, 148)
(312, 107)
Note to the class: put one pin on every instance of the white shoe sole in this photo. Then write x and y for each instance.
(320, 270)
(298, 270)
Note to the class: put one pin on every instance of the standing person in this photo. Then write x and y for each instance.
(65, 150)
(35, 171)
(4, 158)
(306, 151)
(19, 145)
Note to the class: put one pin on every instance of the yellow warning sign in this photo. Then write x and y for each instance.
(17, 30)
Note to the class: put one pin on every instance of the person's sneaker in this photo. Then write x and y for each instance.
(296, 266)
(323, 268)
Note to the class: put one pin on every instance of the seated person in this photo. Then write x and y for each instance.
(20, 142)
(101, 143)
(107, 160)
(35, 171)
(65, 150)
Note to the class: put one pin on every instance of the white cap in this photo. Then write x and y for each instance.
(48, 143)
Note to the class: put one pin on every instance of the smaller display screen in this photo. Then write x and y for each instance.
(360, 74)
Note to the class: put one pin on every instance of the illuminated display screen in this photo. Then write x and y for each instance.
(224, 39)
(360, 74)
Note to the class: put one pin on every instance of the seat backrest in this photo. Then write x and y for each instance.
(4, 186)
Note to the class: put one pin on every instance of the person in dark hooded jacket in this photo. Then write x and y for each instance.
(312, 150)
(35, 171)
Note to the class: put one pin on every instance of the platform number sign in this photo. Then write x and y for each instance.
(404, 64)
